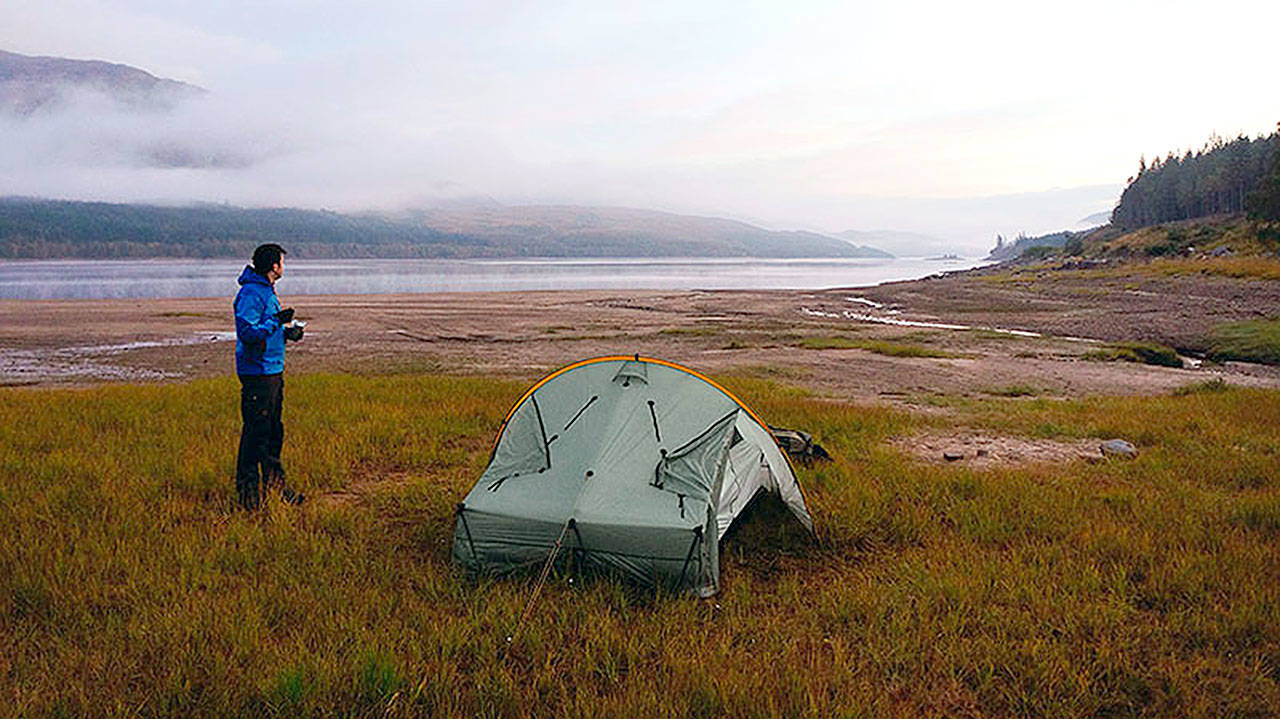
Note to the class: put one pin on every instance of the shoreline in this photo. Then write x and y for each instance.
(960, 333)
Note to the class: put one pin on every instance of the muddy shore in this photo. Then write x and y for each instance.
(996, 335)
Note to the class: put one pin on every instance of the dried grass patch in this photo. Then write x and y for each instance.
(985, 450)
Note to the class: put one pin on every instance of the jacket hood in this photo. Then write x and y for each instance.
(251, 277)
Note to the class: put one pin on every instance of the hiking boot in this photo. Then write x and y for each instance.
(272, 476)
(250, 499)
(291, 497)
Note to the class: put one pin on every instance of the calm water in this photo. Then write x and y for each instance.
(96, 279)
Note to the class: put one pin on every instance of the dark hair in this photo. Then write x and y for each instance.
(266, 257)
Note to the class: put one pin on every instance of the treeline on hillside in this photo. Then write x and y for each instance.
(44, 229)
(1218, 179)
(1264, 202)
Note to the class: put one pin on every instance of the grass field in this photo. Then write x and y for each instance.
(130, 587)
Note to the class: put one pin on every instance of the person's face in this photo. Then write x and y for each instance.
(277, 270)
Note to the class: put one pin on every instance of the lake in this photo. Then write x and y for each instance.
(101, 279)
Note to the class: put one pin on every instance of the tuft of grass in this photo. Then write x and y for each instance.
(1248, 341)
(918, 336)
(882, 347)
(290, 690)
(379, 677)
(1261, 514)
(1217, 384)
(830, 343)
(1142, 352)
(1014, 390)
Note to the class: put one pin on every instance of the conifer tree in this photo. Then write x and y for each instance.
(1214, 180)
(1264, 201)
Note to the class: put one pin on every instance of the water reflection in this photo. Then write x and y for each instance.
(95, 279)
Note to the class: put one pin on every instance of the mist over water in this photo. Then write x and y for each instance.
(105, 279)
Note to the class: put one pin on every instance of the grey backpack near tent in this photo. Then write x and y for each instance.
(631, 465)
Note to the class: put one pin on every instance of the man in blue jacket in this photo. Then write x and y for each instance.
(260, 336)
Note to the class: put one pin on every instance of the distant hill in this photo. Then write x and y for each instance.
(901, 244)
(32, 228)
(1234, 239)
(1097, 219)
(627, 230)
(1203, 238)
(29, 84)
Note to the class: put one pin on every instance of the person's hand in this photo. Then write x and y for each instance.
(285, 316)
(293, 334)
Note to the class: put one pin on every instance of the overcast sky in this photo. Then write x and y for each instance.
(959, 119)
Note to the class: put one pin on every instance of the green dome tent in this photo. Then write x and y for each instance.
(635, 465)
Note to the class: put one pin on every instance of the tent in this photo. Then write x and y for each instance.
(630, 465)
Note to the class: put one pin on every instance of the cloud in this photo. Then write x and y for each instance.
(823, 115)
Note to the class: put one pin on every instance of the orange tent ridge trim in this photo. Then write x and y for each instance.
(626, 358)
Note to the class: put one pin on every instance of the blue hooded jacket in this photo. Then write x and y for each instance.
(259, 335)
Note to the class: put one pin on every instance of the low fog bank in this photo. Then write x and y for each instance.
(281, 148)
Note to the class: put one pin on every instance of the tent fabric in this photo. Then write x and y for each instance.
(641, 463)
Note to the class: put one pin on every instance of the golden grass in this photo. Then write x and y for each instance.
(130, 587)
(1239, 267)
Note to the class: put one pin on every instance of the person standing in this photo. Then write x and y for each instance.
(261, 332)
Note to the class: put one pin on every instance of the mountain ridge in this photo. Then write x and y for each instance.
(38, 228)
(33, 83)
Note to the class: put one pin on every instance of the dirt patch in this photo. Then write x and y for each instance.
(1118, 305)
(979, 450)
(363, 488)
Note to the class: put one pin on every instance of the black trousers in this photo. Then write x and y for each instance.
(261, 437)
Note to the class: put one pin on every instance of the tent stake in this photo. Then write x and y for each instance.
(551, 558)
(542, 579)
(697, 539)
